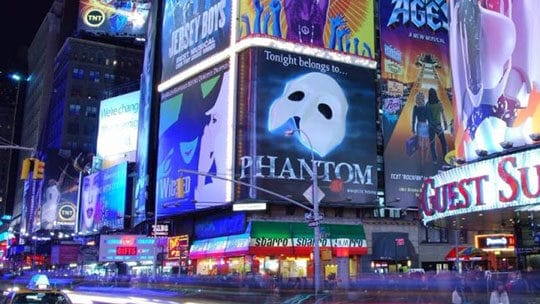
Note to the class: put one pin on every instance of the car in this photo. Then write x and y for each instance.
(38, 291)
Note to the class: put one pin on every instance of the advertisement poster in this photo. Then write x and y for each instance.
(57, 209)
(192, 31)
(496, 74)
(340, 25)
(103, 200)
(118, 124)
(143, 133)
(195, 134)
(416, 92)
(295, 108)
(123, 18)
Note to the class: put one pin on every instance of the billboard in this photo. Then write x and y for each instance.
(118, 123)
(345, 25)
(495, 74)
(57, 209)
(145, 109)
(192, 31)
(127, 248)
(416, 96)
(195, 133)
(103, 199)
(328, 108)
(120, 18)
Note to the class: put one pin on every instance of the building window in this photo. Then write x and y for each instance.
(434, 235)
(91, 111)
(78, 73)
(75, 109)
(94, 76)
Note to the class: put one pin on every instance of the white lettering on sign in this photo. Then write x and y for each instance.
(496, 241)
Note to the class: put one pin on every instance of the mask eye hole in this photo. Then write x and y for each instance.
(297, 96)
(325, 110)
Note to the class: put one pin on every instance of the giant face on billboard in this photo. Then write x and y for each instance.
(195, 134)
(192, 31)
(103, 199)
(496, 74)
(344, 25)
(114, 17)
(327, 107)
(416, 95)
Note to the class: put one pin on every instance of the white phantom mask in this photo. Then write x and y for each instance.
(318, 106)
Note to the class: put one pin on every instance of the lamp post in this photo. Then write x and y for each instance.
(314, 221)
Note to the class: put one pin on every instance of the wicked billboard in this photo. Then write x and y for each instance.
(195, 133)
(327, 107)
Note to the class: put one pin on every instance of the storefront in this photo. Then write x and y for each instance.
(284, 249)
(392, 252)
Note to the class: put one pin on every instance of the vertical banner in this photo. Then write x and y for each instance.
(416, 95)
(192, 31)
(328, 111)
(339, 25)
(195, 133)
(496, 73)
(145, 117)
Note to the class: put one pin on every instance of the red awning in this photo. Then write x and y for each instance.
(466, 253)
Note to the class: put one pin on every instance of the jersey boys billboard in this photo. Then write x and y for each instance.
(192, 31)
(331, 109)
(344, 25)
(195, 133)
(416, 95)
(496, 73)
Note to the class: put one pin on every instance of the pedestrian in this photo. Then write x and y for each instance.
(499, 295)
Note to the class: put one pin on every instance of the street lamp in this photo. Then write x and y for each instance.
(314, 221)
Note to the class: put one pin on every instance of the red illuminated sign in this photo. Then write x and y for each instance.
(126, 250)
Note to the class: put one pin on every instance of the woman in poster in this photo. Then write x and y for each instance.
(420, 126)
(437, 125)
(89, 204)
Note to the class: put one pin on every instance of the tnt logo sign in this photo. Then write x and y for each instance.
(94, 17)
(67, 213)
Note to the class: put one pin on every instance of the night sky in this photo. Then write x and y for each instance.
(19, 22)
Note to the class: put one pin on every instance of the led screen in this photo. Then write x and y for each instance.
(118, 123)
(340, 25)
(416, 96)
(192, 31)
(195, 133)
(496, 72)
(330, 109)
(103, 200)
(122, 18)
(127, 248)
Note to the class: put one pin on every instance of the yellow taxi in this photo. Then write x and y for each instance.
(38, 291)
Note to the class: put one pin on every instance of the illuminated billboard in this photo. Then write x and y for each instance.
(327, 108)
(192, 31)
(496, 183)
(416, 95)
(121, 18)
(346, 25)
(495, 71)
(58, 206)
(103, 200)
(127, 248)
(118, 126)
(195, 134)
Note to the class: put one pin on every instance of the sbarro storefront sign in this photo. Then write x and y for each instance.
(508, 181)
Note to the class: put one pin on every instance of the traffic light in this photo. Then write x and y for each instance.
(26, 165)
(39, 169)
(180, 187)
